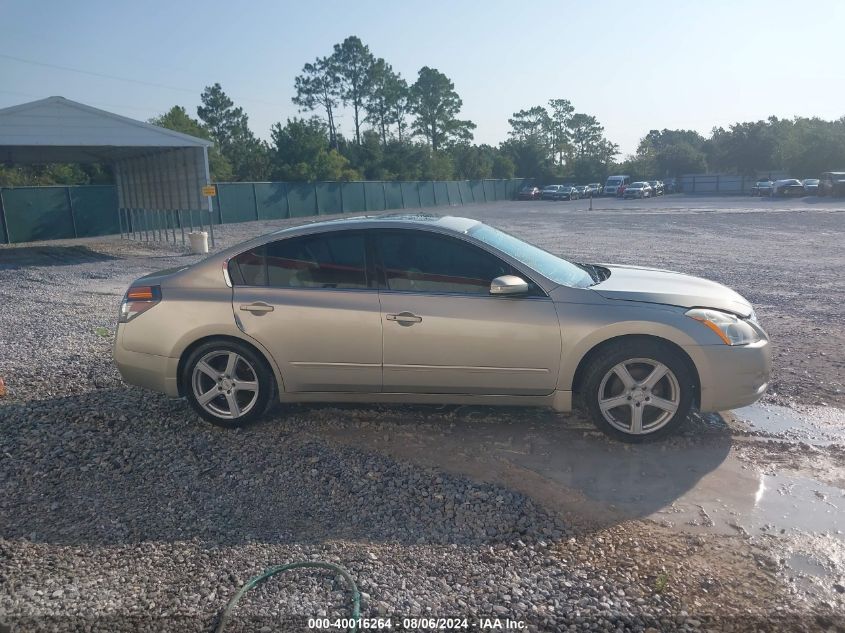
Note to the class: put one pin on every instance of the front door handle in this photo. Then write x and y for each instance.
(258, 307)
(404, 318)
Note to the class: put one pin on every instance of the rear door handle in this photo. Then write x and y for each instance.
(404, 318)
(258, 307)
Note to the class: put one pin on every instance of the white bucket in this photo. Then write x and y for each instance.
(199, 241)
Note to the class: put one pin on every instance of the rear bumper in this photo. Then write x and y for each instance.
(158, 373)
(732, 377)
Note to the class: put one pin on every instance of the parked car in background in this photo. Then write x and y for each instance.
(582, 191)
(656, 187)
(529, 193)
(460, 313)
(594, 189)
(787, 187)
(832, 183)
(569, 192)
(762, 188)
(550, 192)
(811, 186)
(614, 183)
(637, 190)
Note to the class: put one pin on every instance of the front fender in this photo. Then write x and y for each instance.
(585, 326)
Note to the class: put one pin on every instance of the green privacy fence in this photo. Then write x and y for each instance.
(48, 213)
(29, 214)
(248, 201)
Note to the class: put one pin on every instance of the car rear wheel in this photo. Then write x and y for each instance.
(638, 391)
(227, 384)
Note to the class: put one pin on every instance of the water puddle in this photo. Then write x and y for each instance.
(816, 426)
(794, 504)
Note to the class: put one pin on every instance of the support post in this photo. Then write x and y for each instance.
(70, 208)
(210, 202)
(3, 219)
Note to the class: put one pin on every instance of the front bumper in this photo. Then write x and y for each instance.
(732, 376)
(158, 373)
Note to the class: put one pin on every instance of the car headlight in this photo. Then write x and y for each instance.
(730, 328)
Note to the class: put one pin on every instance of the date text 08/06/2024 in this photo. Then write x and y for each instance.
(413, 624)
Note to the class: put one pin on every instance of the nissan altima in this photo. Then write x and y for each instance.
(429, 309)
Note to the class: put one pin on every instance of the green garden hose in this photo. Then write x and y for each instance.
(277, 569)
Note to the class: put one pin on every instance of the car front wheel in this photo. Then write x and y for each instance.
(227, 383)
(638, 391)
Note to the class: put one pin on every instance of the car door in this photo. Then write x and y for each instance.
(312, 302)
(445, 333)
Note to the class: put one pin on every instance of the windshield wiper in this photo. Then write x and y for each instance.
(596, 273)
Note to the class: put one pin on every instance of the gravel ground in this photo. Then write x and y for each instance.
(121, 511)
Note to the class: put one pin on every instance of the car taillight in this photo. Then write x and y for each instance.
(138, 299)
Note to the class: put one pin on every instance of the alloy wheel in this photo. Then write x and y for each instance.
(225, 384)
(639, 396)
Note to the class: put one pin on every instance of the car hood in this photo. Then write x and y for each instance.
(651, 285)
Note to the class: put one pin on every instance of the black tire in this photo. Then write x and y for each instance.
(613, 356)
(253, 365)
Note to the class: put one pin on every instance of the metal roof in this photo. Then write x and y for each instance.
(56, 129)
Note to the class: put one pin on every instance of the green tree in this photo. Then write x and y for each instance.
(558, 125)
(531, 126)
(353, 64)
(503, 166)
(586, 134)
(745, 148)
(472, 162)
(300, 151)
(318, 88)
(386, 99)
(529, 159)
(178, 119)
(229, 129)
(435, 104)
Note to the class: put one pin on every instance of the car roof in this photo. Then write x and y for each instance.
(430, 221)
(397, 220)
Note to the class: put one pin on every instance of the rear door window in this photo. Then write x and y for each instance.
(331, 260)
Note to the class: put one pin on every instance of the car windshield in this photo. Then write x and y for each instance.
(811, 181)
(550, 266)
(636, 185)
(550, 188)
(613, 182)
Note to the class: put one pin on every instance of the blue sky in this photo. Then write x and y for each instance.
(634, 65)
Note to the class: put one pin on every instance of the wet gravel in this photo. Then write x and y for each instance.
(122, 511)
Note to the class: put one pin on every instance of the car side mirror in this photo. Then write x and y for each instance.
(508, 285)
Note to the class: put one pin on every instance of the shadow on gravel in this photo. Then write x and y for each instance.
(24, 257)
(122, 465)
(561, 461)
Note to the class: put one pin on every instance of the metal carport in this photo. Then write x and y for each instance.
(159, 173)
